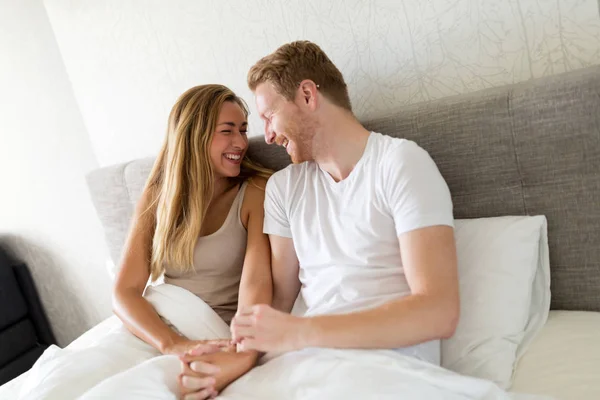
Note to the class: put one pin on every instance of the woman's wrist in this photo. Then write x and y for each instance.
(168, 341)
(249, 360)
(249, 357)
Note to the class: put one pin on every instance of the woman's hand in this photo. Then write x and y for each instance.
(185, 346)
(205, 373)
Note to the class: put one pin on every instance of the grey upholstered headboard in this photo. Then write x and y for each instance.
(531, 148)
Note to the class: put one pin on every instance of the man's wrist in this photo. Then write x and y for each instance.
(307, 333)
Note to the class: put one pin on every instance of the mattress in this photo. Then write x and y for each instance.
(562, 362)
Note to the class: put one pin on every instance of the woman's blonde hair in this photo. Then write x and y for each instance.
(181, 182)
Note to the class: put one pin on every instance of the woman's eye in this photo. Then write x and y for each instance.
(245, 132)
(226, 132)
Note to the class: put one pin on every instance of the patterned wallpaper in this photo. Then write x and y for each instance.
(440, 48)
(128, 60)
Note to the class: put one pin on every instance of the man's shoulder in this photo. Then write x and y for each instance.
(290, 174)
(396, 152)
(293, 171)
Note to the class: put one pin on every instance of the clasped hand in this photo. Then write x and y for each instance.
(262, 328)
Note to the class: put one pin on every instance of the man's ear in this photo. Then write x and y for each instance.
(309, 90)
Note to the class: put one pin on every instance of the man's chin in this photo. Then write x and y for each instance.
(296, 159)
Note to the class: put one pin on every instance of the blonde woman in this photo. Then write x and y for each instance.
(199, 221)
(199, 225)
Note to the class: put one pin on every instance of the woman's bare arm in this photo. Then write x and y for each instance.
(129, 305)
(256, 286)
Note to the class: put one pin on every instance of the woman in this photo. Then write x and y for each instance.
(199, 220)
(198, 224)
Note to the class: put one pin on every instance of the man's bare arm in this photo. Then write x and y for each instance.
(284, 268)
(430, 312)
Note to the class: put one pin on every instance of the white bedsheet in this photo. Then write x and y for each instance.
(109, 349)
(315, 374)
(11, 389)
(563, 362)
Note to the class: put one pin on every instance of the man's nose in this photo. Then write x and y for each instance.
(269, 134)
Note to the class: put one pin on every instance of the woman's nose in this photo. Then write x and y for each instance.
(240, 141)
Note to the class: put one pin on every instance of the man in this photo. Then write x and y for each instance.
(360, 222)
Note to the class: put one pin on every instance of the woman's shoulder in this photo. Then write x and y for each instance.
(255, 190)
(254, 199)
(256, 183)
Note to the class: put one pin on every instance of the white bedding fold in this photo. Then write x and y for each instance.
(187, 312)
(315, 374)
(121, 366)
(359, 374)
(67, 374)
(309, 374)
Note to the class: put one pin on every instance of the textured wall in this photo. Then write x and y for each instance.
(128, 60)
(46, 216)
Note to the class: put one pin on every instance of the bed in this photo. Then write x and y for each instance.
(530, 149)
(563, 362)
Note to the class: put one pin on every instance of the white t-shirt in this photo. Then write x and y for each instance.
(346, 233)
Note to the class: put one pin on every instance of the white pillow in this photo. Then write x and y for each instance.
(504, 275)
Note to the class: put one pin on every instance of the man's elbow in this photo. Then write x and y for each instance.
(443, 318)
(448, 320)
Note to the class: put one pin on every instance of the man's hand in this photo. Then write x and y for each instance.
(205, 373)
(263, 328)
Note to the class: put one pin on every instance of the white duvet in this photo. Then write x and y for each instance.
(120, 366)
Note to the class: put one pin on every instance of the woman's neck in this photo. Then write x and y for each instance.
(221, 186)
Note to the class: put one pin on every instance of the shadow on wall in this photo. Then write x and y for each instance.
(57, 294)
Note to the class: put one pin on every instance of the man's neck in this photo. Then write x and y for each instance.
(340, 144)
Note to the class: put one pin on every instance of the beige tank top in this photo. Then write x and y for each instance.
(218, 261)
